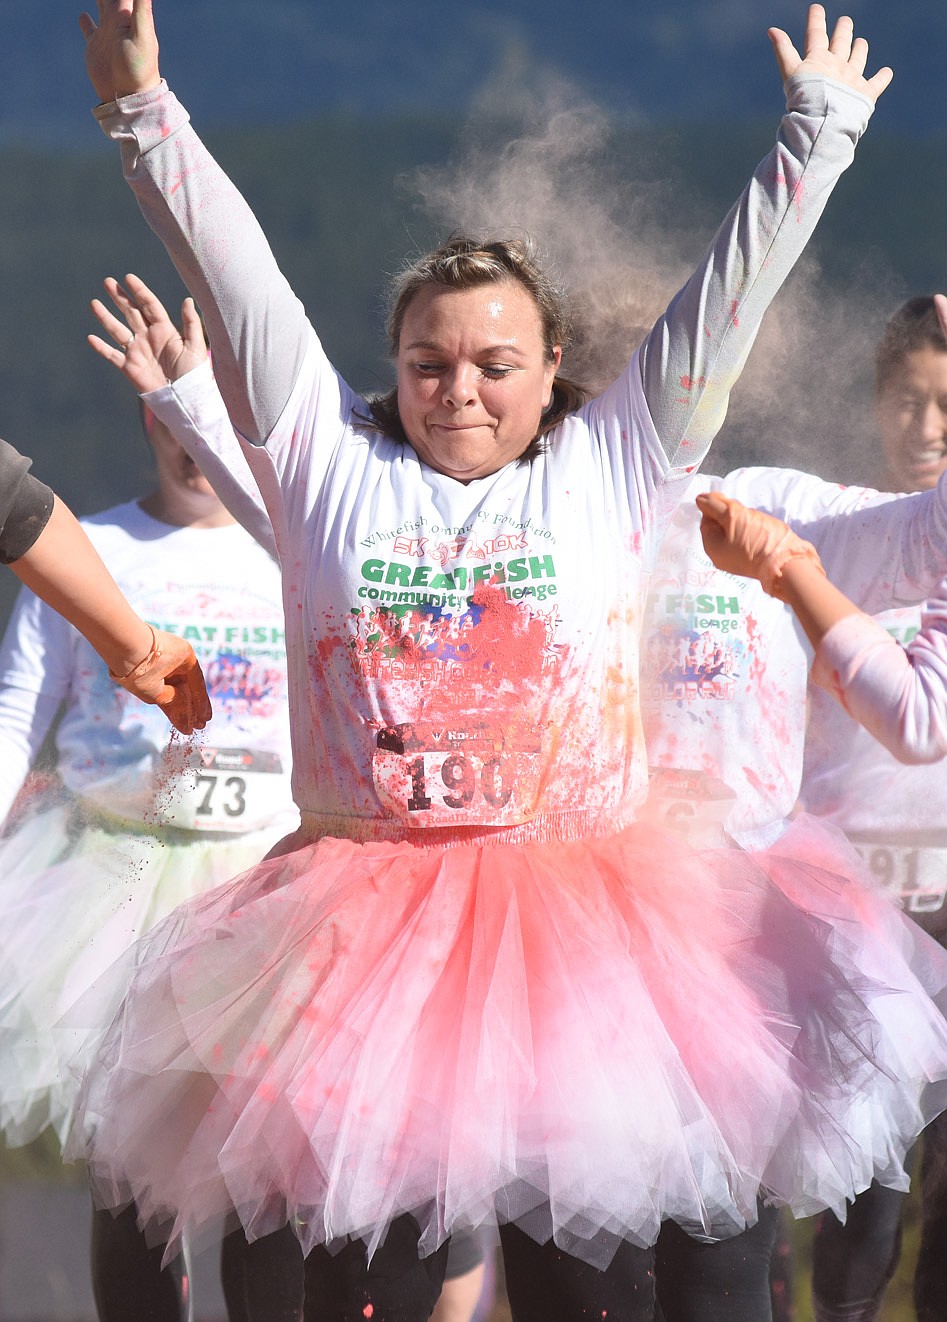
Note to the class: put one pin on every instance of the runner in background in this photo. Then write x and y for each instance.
(131, 826)
(897, 817)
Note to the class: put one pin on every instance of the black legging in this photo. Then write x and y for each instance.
(127, 1277)
(727, 1281)
(853, 1263)
(263, 1279)
(545, 1284)
(397, 1285)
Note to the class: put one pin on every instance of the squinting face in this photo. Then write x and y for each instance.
(473, 376)
(912, 416)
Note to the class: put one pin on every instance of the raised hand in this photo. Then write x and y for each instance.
(151, 350)
(748, 542)
(843, 56)
(121, 50)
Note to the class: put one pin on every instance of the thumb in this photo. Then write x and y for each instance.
(717, 506)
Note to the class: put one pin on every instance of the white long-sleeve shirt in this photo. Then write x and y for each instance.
(726, 665)
(215, 587)
(898, 693)
(466, 655)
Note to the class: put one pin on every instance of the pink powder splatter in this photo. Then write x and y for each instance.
(756, 781)
(368, 1310)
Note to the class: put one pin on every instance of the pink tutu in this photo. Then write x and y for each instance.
(584, 1036)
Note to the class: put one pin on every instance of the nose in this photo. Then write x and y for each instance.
(933, 421)
(459, 388)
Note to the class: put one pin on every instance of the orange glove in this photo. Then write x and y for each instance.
(748, 542)
(170, 677)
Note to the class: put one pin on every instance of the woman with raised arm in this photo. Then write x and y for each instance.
(472, 987)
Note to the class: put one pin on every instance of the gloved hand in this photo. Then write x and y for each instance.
(170, 677)
(748, 542)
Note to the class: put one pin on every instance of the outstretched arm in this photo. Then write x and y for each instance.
(898, 694)
(152, 354)
(696, 351)
(63, 568)
(258, 329)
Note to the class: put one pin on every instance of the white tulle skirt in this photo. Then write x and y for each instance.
(75, 894)
(582, 1036)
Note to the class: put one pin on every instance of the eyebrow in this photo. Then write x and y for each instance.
(508, 346)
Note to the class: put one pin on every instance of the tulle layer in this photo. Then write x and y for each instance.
(74, 895)
(583, 1037)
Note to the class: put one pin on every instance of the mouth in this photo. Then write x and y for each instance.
(926, 459)
(458, 426)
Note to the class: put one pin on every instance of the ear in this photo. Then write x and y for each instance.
(552, 367)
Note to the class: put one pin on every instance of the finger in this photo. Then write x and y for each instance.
(176, 707)
(715, 505)
(86, 26)
(842, 35)
(192, 328)
(858, 58)
(142, 21)
(119, 331)
(185, 702)
(147, 302)
(126, 305)
(940, 305)
(879, 81)
(107, 351)
(787, 57)
(817, 36)
(711, 531)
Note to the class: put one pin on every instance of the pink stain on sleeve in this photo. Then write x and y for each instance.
(694, 383)
(733, 312)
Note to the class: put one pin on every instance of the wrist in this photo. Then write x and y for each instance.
(133, 654)
(796, 576)
(136, 87)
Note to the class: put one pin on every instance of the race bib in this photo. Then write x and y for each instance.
(916, 874)
(226, 789)
(431, 775)
(691, 804)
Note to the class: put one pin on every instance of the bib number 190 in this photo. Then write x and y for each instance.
(458, 778)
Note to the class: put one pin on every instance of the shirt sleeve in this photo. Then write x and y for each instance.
(208, 437)
(25, 505)
(880, 548)
(898, 694)
(257, 326)
(689, 362)
(693, 356)
(36, 657)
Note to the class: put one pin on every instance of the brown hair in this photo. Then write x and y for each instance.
(913, 326)
(464, 262)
